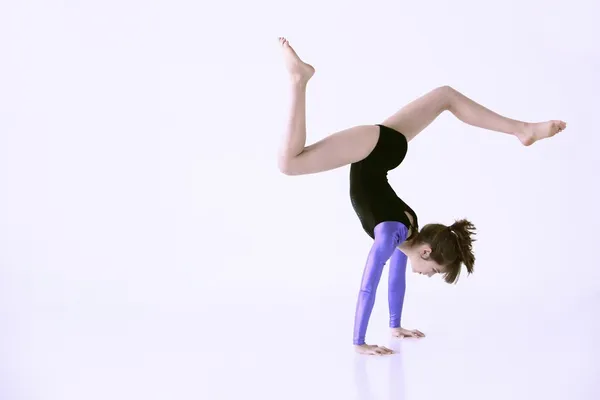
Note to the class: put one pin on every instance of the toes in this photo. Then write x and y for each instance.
(555, 127)
(383, 351)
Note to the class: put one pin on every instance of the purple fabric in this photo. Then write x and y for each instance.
(388, 236)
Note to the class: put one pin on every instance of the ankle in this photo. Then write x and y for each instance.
(298, 82)
(522, 129)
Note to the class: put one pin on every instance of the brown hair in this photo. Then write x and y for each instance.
(451, 246)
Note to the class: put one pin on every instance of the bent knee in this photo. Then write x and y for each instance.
(286, 167)
(446, 94)
(446, 89)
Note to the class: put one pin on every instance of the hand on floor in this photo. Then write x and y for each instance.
(373, 349)
(401, 332)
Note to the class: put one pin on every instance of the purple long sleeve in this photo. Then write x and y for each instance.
(396, 287)
(388, 235)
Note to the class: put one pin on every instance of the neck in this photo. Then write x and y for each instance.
(407, 247)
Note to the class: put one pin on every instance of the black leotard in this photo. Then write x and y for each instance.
(373, 199)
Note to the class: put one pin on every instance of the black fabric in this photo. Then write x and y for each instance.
(372, 197)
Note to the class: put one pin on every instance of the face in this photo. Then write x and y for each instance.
(422, 264)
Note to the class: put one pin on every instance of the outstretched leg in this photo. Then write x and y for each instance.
(334, 151)
(418, 114)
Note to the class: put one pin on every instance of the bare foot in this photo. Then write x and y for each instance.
(300, 72)
(541, 130)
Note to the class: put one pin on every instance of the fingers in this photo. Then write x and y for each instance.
(409, 334)
(379, 350)
(415, 333)
(373, 350)
(383, 350)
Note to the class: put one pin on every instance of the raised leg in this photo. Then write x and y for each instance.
(418, 114)
(334, 151)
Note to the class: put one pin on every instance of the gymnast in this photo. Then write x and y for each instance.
(372, 151)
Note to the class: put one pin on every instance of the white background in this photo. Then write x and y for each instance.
(149, 247)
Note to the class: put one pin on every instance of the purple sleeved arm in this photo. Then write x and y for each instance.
(388, 235)
(396, 287)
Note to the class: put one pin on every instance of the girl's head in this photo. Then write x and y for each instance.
(443, 249)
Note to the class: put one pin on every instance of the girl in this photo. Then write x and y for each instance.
(372, 151)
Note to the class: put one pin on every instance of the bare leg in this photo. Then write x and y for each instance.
(417, 115)
(334, 151)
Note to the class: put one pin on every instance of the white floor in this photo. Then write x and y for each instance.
(272, 348)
